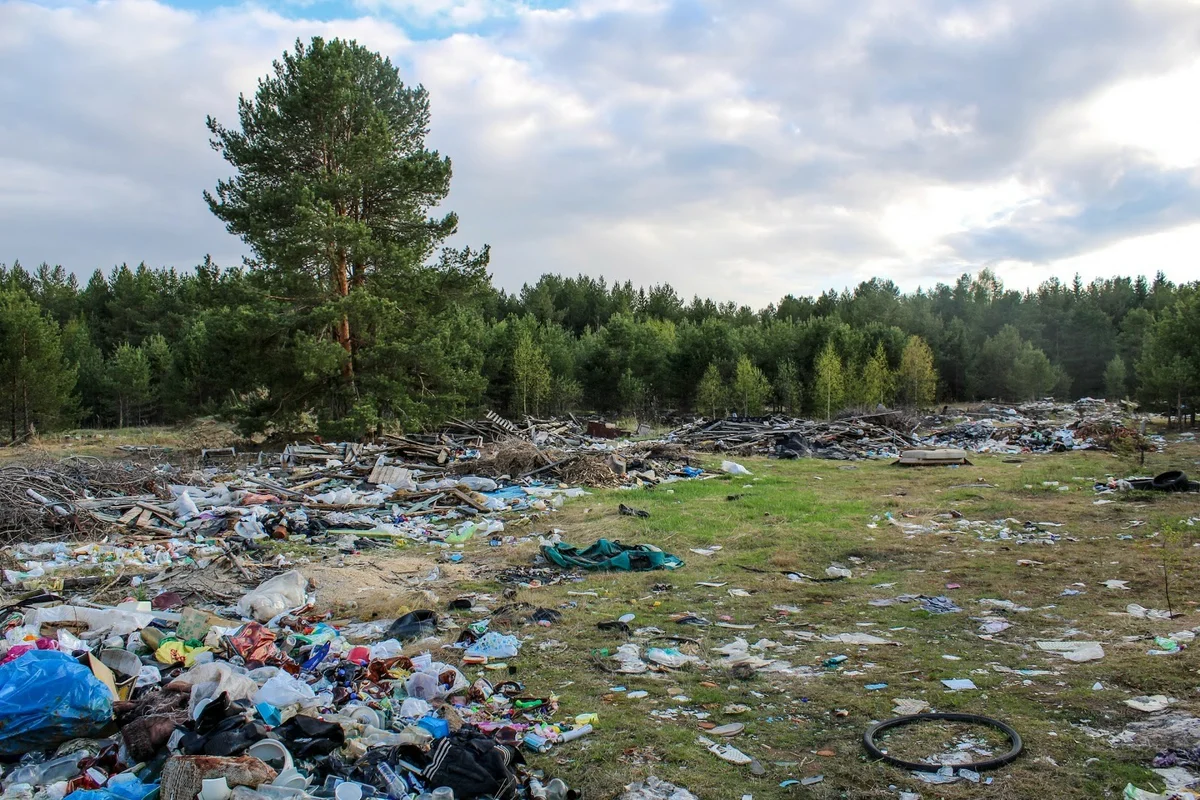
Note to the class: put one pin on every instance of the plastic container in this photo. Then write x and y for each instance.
(439, 728)
(443, 793)
(575, 734)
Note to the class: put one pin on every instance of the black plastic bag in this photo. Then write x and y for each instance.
(413, 625)
(307, 737)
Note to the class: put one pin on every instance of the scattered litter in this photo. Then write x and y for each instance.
(1134, 610)
(959, 684)
(726, 752)
(1075, 651)
(1150, 703)
(654, 789)
(904, 707)
(939, 605)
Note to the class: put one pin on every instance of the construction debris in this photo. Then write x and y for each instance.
(1042, 426)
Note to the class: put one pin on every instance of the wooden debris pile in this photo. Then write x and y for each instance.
(854, 437)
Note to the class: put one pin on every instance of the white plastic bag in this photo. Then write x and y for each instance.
(733, 468)
(210, 680)
(282, 690)
(495, 645)
(425, 685)
(185, 506)
(388, 648)
(414, 708)
(274, 597)
(478, 484)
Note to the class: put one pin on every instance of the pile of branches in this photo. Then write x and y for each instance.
(848, 437)
(49, 499)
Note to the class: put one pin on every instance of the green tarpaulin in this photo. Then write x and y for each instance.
(606, 555)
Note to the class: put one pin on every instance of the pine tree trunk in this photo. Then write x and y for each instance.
(342, 285)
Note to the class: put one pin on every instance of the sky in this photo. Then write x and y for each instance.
(736, 149)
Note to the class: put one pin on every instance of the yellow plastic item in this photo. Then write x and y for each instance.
(174, 651)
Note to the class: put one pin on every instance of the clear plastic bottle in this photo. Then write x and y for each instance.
(443, 793)
(396, 789)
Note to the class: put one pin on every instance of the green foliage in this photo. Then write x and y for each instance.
(711, 395)
(1015, 369)
(751, 389)
(566, 393)
(789, 392)
(333, 190)
(1115, 378)
(916, 380)
(632, 393)
(1169, 367)
(878, 382)
(88, 363)
(127, 377)
(531, 376)
(1033, 374)
(828, 382)
(36, 380)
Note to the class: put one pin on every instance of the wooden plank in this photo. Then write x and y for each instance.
(143, 520)
(162, 513)
(466, 498)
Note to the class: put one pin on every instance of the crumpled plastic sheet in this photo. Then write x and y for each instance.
(654, 789)
(275, 596)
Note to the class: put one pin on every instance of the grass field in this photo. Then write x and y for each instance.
(805, 515)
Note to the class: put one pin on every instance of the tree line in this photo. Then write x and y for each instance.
(158, 346)
(354, 314)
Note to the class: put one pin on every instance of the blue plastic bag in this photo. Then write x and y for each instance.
(129, 790)
(46, 698)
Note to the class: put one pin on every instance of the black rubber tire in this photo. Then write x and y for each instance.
(1173, 481)
(977, 766)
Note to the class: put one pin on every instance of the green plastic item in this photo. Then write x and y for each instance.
(611, 556)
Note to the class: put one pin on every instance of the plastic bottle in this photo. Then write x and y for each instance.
(57, 769)
(556, 790)
(443, 793)
(396, 789)
(575, 734)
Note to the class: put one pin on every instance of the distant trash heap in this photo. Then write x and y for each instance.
(1037, 427)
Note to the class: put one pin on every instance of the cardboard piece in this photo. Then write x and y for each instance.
(195, 624)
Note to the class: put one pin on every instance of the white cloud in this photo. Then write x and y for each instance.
(1156, 115)
(736, 150)
(1172, 252)
(924, 218)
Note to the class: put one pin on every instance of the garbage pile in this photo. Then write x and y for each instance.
(1037, 427)
(267, 700)
(437, 489)
(1028, 428)
(870, 436)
